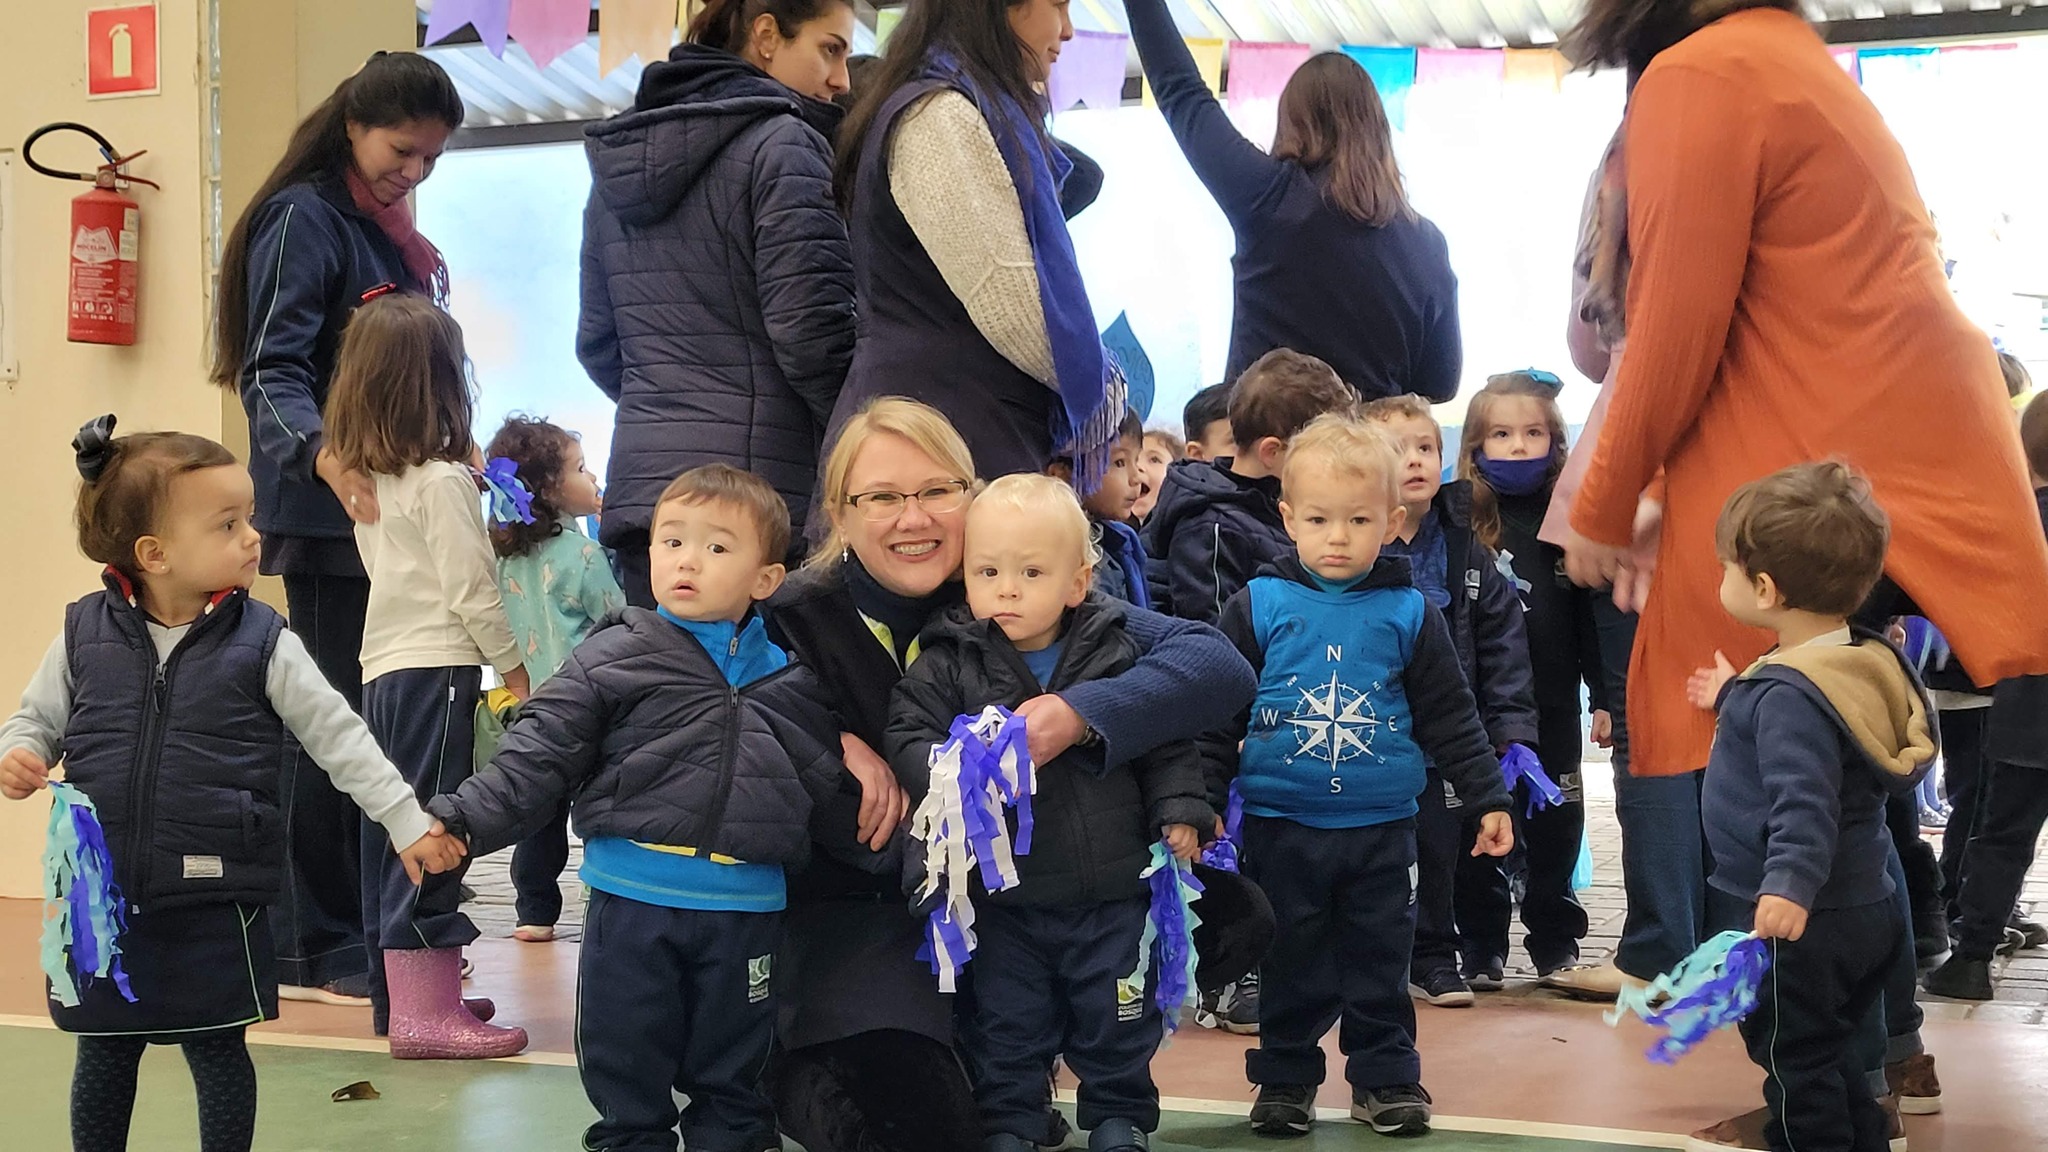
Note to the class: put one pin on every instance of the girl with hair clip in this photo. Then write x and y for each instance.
(170, 696)
(329, 228)
(400, 413)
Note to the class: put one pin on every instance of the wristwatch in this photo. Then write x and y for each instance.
(1089, 736)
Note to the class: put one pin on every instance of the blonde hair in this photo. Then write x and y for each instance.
(1350, 448)
(1406, 405)
(1030, 492)
(924, 426)
(1479, 422)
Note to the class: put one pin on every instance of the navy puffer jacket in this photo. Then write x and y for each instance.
(717, 282)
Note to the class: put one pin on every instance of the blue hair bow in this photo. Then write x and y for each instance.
(511, 500)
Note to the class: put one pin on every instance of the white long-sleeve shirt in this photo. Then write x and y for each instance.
(433, 579)
(316, 714)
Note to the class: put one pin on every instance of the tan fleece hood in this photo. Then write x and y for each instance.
(1873, 694)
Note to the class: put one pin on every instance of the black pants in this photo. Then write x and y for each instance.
(2012, 807)
(1916, 856)
(1962, 773)
(425, 720)
(103, 1090)
(672, 1000)
(1551, 912)
(1056, 982)
(1458, 896)
(883, 1091)
(1344, 911)
(1815, 997)
(634, 581)
(317, 925)
(537, 865)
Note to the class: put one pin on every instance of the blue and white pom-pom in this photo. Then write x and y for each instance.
(1226, 851)
(982, 767)
(1711, 989)
(1521, 764)
(511, 501)
(1170, 926)
(83, 923)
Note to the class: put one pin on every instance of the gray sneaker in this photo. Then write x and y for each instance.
(1241, 1017)
(1284, 1109)
(1402, 1110)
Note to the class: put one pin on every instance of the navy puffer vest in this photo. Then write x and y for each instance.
(182, 760)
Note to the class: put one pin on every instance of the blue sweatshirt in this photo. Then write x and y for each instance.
(1809, 742)
(1359, 689)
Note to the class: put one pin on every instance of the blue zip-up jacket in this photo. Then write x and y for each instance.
(1210, 533)
(1485, 619)
(1809, 742)
(1358, 690)
(313, 256)
(1122, 571)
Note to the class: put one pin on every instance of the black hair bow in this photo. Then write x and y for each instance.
(94, 446)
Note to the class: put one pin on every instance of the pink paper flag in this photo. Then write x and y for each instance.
(548, 28)
(1848, 59)
(1090, 71)
(1261, 71)
(628, 28)
(1462, 66)
(489, 16)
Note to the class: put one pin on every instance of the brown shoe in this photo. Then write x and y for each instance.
(1744, 1132)
(1895, 1127)
(1914, 1085)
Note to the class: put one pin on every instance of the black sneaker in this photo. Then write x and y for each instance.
(1241, 1017)
(1488, 975)
(1117, 1135)
(1442, 987)
(1209, 1009)
(1402, 1110)
(1284, 1109)
(1961, 978)
(1929, 950)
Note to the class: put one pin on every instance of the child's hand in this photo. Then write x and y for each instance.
(1779, 919)
(436, 852)
(519, 684)
(1704, 688)
(1496, 835)
(1184, 840)
(22, 772)
(1603, 728)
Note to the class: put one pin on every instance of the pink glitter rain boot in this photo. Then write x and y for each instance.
(428, 1018)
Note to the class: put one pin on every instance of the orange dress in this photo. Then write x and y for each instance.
(1787, 304)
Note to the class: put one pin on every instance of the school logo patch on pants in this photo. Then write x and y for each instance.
(1130, 1000)
(757, 978)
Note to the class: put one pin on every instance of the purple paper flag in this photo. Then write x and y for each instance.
(1090, 71)
(489, 17)
(548, 28)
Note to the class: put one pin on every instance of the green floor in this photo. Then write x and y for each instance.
(484, 1106)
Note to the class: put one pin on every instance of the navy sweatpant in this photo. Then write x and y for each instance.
(1447, 879)
(674, 1000)
(424, 719)
(1344, 910)
(1055, 982)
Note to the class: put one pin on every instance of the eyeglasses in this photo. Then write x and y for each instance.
(938, 500)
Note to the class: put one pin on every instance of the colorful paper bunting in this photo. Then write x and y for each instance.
(1258, 74)
(1393, 73)
(1848, 59)
(488, 17)
(1533, 70)
(548, 28)
(1208, 56)
(1090, 71)
(886, 20)
(1473, 68)
(628, 28)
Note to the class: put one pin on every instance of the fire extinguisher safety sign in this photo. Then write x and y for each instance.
(121, 51)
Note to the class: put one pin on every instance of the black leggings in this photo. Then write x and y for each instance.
(103, 1091)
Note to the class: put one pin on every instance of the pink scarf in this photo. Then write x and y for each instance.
(422, 259)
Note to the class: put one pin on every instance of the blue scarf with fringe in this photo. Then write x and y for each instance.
(1091, 388)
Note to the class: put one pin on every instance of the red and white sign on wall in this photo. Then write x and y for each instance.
(120, 51)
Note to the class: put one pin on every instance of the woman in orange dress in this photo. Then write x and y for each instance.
(1784, 302)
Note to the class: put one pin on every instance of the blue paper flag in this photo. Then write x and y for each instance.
(1169, 932)
(1122, 343)
(81, 937)
(1224, 853)
(1711, 989)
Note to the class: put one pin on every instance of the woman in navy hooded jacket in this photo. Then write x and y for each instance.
(1331, 260)
(717, 284)
(329, 229)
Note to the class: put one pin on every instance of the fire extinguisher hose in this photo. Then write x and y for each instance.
(107, 173)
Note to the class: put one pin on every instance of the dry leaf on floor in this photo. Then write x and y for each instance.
(360, 1090)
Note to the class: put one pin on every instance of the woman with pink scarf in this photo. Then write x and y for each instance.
(329, 229)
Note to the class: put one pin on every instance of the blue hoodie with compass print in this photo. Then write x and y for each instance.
(1359, 688)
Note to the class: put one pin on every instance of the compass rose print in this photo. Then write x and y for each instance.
(1334, 723)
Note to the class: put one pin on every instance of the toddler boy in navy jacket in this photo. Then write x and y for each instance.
(1359, 688)
(691, 752)
(1462, 902)
(1810, 740)
(1217, 522)
(1056, 970)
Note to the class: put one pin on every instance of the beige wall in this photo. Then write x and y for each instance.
(269, 49)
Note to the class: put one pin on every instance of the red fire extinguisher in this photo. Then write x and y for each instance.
(105, 239)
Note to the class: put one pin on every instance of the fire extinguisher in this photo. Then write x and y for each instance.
(106, 240)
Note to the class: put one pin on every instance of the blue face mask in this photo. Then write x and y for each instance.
(1515, 477)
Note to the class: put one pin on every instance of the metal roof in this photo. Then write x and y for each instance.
(511, 101)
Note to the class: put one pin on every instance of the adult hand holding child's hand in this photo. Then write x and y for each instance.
(22, 772)
(1051, 726)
